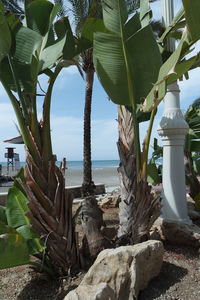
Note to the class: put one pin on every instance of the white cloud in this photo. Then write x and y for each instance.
(66, 74)
(67, 136)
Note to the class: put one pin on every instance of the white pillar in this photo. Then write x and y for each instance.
(173, 129)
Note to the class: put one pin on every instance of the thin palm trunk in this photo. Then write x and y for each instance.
(88, 184)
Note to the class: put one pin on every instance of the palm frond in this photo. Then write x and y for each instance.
(14, 6)
(63, 10)
(83, 9)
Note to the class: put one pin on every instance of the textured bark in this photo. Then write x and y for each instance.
(194, 184)
(88, 185)
(51, 214)
(139, 208)
(92, 221)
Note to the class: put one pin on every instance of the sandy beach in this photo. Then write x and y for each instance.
(107, 176)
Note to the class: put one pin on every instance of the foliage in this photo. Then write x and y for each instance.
(17, 239)
(177, 64)
(28, 51)
(127, 59)
(191, 150)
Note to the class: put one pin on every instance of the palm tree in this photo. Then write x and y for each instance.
(81, 10)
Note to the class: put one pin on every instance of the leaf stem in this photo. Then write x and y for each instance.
(146, 144)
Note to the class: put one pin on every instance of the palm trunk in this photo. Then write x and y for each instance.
(139, 208)
(92, 221)
(88, 185)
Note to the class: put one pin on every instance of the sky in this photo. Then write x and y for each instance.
(67, 114)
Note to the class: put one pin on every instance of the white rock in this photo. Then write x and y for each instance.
(100, 291)
(178, 233)
(127, 269)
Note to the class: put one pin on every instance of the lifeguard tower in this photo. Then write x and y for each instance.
(10, 157)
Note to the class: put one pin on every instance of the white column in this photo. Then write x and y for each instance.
(173, 129)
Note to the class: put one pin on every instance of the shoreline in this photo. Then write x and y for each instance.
(74, 177)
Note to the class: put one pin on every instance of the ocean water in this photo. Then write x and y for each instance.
(78, 164)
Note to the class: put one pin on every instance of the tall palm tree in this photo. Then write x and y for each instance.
(81, 10)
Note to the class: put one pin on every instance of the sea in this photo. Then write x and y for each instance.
(78, 164)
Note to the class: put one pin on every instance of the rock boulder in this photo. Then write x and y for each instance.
(126, 270)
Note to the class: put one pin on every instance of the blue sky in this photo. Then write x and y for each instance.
(67, 114)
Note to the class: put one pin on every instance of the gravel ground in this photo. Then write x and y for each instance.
(178, 280)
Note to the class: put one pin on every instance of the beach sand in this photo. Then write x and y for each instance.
(107, 176)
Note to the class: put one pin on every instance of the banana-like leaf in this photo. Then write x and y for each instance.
(2, 10)
(4, 228)
(13, 250)
(5, 37)
(90, 26)
(51, 54)
(33, 242)
(177, 23)
(192, 11)
(145, 12)
(175, 67)
(153, 175)
(127, 60)
(26, 78)
(63, 28)
(27, 43)
(37, 16)
(16, 208)
(171, 70)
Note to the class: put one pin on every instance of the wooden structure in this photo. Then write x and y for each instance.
(10, 157)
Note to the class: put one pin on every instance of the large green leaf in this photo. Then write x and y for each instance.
(175, 67)
(27, 43)
(38, 15)
(63, 28)
(33, 242)
(13, 251)
(145, 12)
(110, 67)
(127, 63)
(51, 54)
(27, 74)
(16, 208)
(192, 12)
(115, 15)
(144, 60)
(153, 175)
(5, 37)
